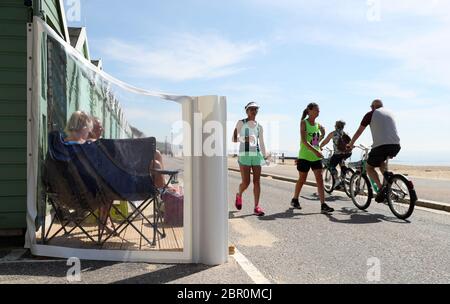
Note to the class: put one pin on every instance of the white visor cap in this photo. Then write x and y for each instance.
(252, 105)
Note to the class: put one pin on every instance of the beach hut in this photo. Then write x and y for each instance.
(55, 107)
(14, 15)
(46, 74)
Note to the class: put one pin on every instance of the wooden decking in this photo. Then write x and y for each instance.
(129, 239)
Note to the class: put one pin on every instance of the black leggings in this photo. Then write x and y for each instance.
(336, 159)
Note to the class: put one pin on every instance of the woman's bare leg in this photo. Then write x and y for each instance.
(245, 175)
(105, 220)
(257, 184)
(299, 186)
(320, 186)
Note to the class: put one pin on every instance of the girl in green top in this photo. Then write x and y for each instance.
(310, 156)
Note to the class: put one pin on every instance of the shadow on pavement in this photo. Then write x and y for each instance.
(332, 198)
(285, 215)
(358, 217)
(58, 270)
(53, 269)
(166, 275)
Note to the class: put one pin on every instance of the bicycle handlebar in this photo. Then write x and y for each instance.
(362, 147)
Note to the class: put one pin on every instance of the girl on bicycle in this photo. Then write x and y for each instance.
(252, 155)
(340, 142)
(310, 156)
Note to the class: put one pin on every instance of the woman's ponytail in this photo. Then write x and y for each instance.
(305, 113)
(310, 107)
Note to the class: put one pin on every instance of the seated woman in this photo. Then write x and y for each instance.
(78, 128)
(78, 131)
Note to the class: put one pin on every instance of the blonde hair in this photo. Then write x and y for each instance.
(78, 121)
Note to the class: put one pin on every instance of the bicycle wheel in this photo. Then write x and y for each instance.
(361, 191)
(328, 180)
(401, 197)
(348, 176)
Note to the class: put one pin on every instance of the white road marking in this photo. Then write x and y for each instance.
(256, 276)
(432, 210)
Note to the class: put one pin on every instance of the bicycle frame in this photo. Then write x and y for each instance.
(329, 156)
(364, 168)
(392, 197)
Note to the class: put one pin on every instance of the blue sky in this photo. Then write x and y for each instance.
(284, 54)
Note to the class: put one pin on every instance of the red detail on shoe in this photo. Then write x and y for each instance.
(259, 211)
(238, 202)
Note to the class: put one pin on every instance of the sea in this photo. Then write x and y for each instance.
(405, 157)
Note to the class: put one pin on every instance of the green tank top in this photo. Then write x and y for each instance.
(313, 135)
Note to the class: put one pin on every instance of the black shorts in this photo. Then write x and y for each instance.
(304, 166)
(380, 154)
(336, 159)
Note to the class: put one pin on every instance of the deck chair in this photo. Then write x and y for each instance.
(82, 178)
(135, 157)
(72, 194)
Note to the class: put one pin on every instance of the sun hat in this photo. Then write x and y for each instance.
(252, 105)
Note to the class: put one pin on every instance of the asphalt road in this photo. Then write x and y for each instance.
(305, 246)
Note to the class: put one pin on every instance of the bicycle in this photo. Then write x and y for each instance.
(399, 191)
(331, 179)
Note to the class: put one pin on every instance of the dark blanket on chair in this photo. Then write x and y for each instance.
(95, 174)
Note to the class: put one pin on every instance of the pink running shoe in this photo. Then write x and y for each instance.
(238, 202)
(259, 211)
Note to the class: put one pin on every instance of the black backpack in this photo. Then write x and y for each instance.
(343, 141)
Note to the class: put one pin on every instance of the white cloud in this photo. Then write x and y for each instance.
(354, 9)
(435, 8)
(182, 56)
(414, 34)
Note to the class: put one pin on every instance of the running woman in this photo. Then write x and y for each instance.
(310, 156)
(252, 155)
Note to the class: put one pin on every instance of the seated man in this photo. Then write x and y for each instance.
(97, 130)
(97, 133)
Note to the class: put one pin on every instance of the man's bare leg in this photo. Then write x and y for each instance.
(373, 175)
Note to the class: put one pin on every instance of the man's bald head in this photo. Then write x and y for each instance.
(376, 104)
